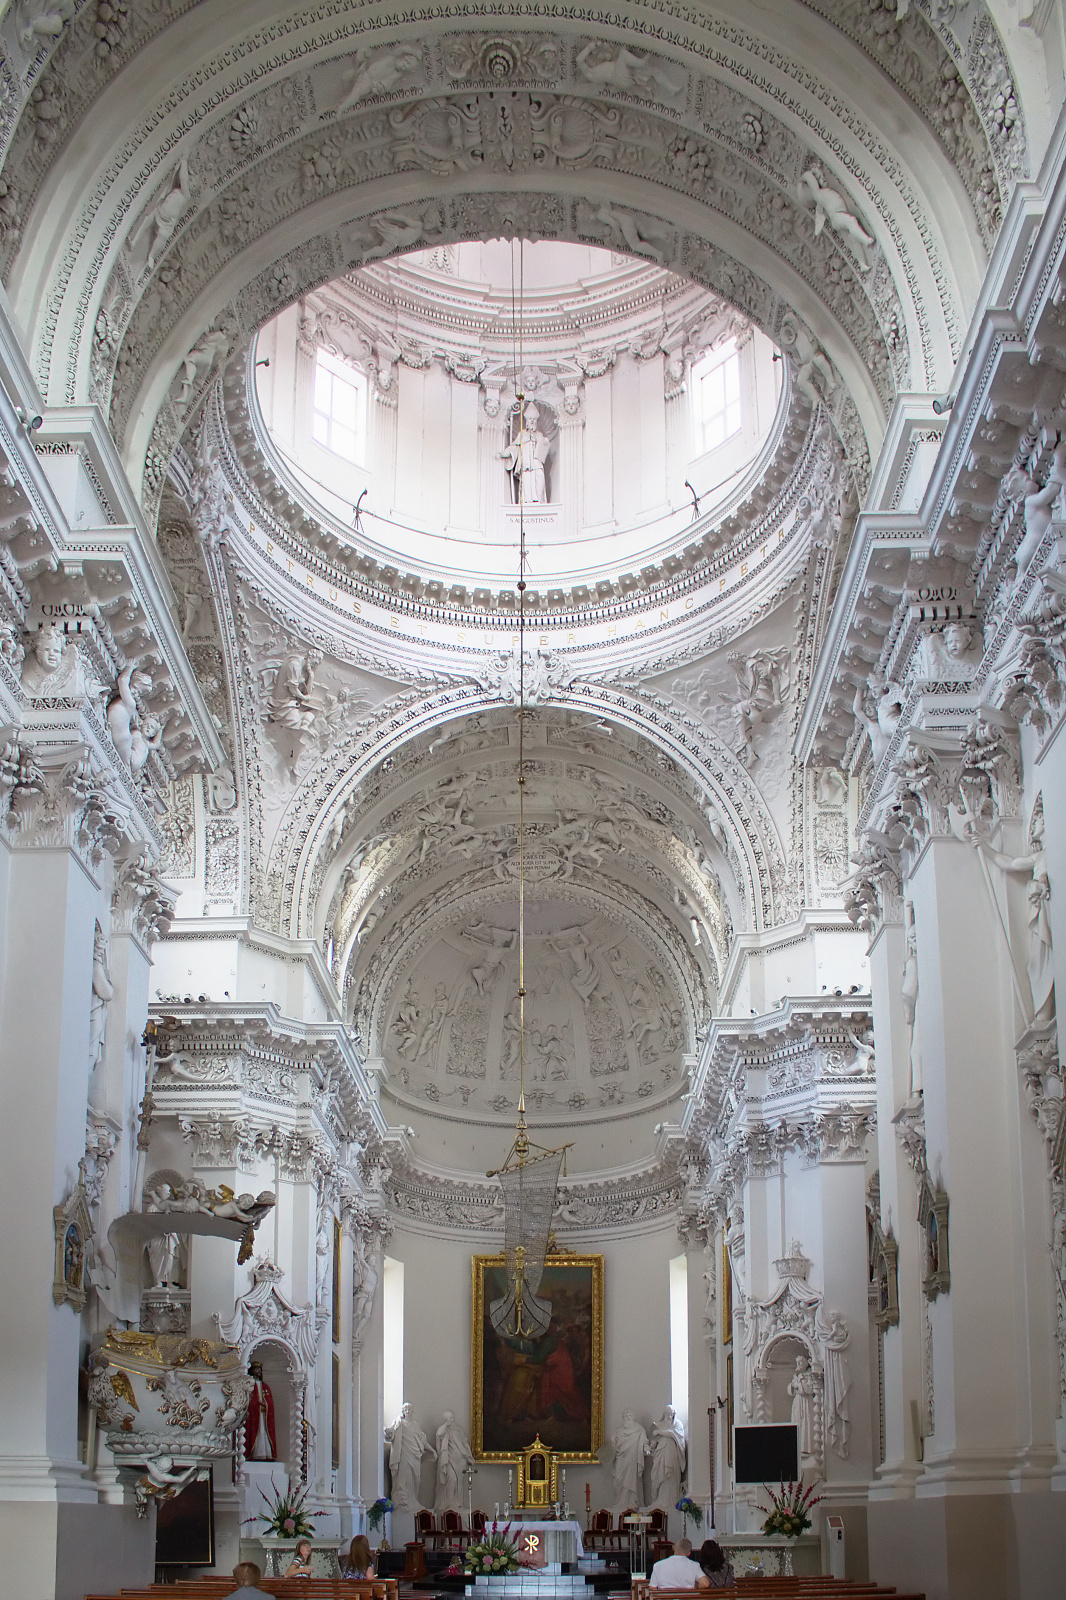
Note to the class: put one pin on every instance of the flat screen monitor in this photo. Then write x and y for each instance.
(766, 1453)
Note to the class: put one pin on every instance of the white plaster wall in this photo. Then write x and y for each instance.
(636, 1343)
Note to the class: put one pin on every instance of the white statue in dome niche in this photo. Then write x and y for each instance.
(831, 207)
(454, 1456)
(631, 1448)
(407, 1445)
(669, 1458)
(802, 1389)
(525, 457)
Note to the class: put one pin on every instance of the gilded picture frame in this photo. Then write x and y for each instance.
(551, 1386)
(727, 1294)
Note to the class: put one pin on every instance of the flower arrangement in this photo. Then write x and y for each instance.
(792, 1505)
(496, 1553)
(287, 1515)
(690, 1511)
(376, 1513)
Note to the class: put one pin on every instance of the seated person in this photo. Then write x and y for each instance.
(246, 1575)
(717, 1572)
(678, 1571)
(300, 1565)
(359, 1562)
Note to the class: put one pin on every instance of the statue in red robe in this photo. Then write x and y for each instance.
(260, 1438)
(559, 1393)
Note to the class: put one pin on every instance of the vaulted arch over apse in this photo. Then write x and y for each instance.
(188, 178)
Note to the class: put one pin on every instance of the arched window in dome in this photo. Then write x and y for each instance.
(716, 395)
(338, 420)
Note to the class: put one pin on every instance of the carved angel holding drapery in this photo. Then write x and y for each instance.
(1033, 866)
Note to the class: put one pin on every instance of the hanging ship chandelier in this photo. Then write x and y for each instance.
(529, 1176)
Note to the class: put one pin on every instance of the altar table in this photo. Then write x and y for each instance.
(772, 1553)
(559, 1541)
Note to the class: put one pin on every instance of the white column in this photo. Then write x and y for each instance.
(966, 1018)
(370, 1412)
(899, 1202)
(569, 487)
(48, 1506)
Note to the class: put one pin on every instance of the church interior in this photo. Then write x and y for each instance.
(532, 825)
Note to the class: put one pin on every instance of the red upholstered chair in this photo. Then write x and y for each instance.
(601, 1522)
(425, 1522)
(630, 1511)
(657, 1525)
(477, 1521)
(452, 1522)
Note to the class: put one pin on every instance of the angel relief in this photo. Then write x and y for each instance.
(299, 710)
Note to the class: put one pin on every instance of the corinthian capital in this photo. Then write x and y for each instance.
(141, 903)
(874, 892)
(62, 799)
(952, 785)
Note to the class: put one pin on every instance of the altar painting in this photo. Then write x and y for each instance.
(552, 1385)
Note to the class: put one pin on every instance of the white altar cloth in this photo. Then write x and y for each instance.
(560, 1541)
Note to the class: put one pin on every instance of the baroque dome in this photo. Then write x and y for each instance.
(612, 356)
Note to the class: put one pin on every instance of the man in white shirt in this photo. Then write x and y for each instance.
(678, 1571)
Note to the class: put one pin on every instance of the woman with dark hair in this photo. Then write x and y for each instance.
(717, 1571)
(359, 1562)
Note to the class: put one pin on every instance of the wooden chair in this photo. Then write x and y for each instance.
(601, 1522)
(451, 1522)
(425, 1522)
(477, 1521)
(657, 1525)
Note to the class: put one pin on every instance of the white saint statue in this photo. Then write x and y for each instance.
(102, 994)
(525, 457)
(454, 1456)
(407, 1445)
(630, 1449)
(802, 1389)
(1034, 866)
(669, 1457)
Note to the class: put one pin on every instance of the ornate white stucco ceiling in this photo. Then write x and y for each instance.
(185, 169)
